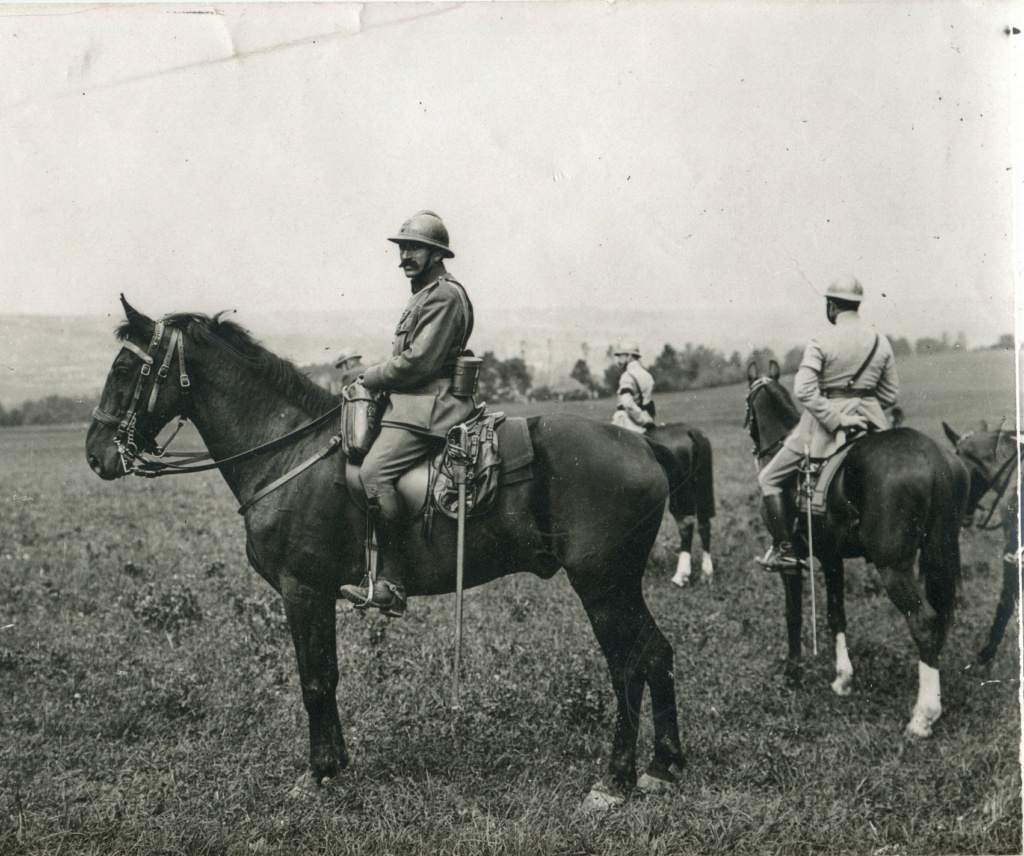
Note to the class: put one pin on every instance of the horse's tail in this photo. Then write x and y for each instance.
(703, 476)
(678, 478)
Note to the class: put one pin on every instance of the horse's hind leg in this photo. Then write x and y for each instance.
(683, 567)
(637, 653)
(311, 620)
(707, 567)
(928, 629)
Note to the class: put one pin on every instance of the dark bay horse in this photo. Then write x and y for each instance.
(898, 497)
(993, 460)
(696, 500)
(593, 507)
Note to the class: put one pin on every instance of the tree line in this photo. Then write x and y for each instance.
(673, 370)
(51, 410)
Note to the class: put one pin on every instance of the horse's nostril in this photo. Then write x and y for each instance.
(94, 463)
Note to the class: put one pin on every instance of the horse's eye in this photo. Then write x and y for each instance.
(122, 372)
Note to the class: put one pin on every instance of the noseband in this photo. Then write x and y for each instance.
(130, 441)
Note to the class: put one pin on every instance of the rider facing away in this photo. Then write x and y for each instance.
(431, 334)
(845, 378)
(635, 410)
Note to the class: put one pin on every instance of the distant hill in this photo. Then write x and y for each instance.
(69, 355)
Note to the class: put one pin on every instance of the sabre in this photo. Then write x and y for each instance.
(810, 550)
(459, 471)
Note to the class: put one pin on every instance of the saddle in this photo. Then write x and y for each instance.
(496, 450)
(816, 476)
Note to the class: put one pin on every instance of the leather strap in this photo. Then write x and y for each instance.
(332, 444)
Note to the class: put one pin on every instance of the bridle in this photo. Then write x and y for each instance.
(141, 456)
(1000, 482)
(749, 423)
(131, 442)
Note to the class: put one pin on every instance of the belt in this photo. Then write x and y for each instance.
(843, 392)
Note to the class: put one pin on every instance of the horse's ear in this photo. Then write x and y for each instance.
(137, 320)
(753, 373)
(954, 438)
(981, 427)
(774, 372)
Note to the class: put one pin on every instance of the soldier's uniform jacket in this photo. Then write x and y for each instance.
(636, 387)
(821, 384)
(418, 376)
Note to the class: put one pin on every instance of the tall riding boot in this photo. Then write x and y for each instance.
(388, 593)
(780, 557)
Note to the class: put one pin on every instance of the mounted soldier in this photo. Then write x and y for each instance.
(846, 377)
(635, 410)
(431, 334)
(350, 364)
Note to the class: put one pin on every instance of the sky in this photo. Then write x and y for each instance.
(652, 156)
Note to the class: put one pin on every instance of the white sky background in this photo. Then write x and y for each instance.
(648, 155)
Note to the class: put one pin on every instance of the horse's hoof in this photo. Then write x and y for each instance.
(707, 569)
(920, 726)
(652, 785)
(842, 685)
(599, 799)
(308, 785)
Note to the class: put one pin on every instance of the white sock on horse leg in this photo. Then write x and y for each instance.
(683, 570)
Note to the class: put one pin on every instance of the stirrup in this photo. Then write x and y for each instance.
(365, 596)
(780, 560)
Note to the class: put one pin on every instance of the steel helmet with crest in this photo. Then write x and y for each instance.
(424, 227)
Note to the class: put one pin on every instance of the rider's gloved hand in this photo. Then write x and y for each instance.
(853, 421)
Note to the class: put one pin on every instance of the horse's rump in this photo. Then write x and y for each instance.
(692, 449)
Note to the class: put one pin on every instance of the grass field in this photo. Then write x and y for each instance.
(149, 701)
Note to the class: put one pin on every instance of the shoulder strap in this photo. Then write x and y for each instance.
(467, 308)
(853, 380)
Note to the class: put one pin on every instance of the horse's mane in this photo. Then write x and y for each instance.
(783, 399)
(236, 342)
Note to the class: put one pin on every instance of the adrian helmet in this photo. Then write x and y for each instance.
(627, 347)
(346, 356)
(424, 227)
(846, 287)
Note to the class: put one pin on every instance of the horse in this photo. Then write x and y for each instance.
(694, 503)
(993, 470)
(593, 506)
(897, 496)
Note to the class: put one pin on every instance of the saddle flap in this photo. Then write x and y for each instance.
(821, 477)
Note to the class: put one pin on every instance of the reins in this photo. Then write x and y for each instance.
(141, 456)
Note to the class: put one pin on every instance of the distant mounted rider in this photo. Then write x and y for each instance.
(635, 410)
(350, 365)
(431, 334)
(846, 377)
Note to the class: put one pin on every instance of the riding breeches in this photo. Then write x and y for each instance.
(393, 453)
(777, 471)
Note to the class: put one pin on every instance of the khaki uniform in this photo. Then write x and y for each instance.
(418, 376)
(636, 403)
(829, 363)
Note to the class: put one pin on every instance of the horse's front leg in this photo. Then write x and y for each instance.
(835, 583)
(793, 585)
(311, 619)
(1007, 597)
